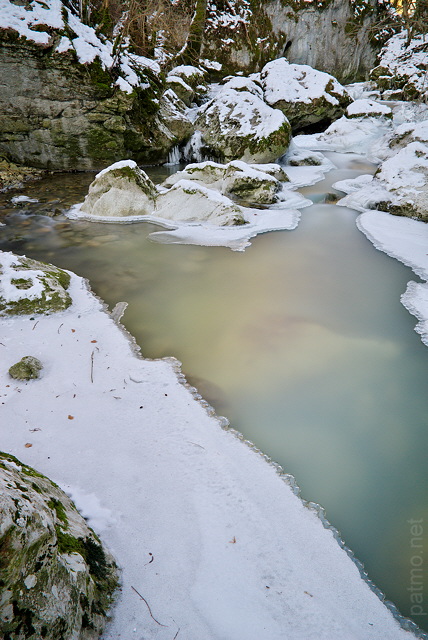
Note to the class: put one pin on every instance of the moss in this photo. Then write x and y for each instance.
(58, 507)
(22, 283)
(90, 550)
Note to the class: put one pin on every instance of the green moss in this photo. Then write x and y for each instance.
(22, 283)
(58, 507)
(90, 550)
(28, 368)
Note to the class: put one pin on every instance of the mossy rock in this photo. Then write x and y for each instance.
(28, 286)
(28, 368)
(57, 579)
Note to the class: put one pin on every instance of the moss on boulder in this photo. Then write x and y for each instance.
(57, 579)
(28, 286)
(28, 368)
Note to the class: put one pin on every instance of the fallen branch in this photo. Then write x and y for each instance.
(148, 607)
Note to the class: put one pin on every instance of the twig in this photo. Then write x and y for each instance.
(60, 326)
(35, 325)
(92, 365)
(148, 607)
(151, 559)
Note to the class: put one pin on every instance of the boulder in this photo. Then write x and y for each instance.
(402, 68)
(121, 189)
(249, 184)
(187, 82)
(238, 125)
(306, 96)
(188, 201)
(28, 286)
(400, 185)
(57, 579)
(172, 112)
(255, 184)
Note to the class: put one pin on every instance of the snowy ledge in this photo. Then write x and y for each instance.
(202, 527)
(405, 240)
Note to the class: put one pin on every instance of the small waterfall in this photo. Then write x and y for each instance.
(174, 156)
(193, 150)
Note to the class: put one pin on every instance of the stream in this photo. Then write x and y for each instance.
(300, 341)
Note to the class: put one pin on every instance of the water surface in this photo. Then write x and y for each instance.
(301, 342)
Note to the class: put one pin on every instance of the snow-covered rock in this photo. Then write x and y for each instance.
(57, 580)
(239, 125)
(402, 67)
(251, 183)
(346, 135)
(400, 186)
(173, 113)
(121, 189)
(364, 108)
(28, 286)
(306, 96)
(180, 88)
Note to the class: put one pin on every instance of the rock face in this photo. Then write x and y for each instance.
(28, 286)
(69, 101)
(335, 36)
(306, 96)
(57, 579)
(120, 190)
(238, 124)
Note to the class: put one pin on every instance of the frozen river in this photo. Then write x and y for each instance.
(301, 341)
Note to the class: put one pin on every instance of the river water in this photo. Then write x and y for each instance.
(301, 341)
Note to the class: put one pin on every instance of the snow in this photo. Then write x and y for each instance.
(363, 106)
(119, 165)
(297, 83)
(26, 21)
(407, 241)
(201, 526)
(10, 270)
(348, 135)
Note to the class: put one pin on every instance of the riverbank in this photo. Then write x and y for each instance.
(202, 527)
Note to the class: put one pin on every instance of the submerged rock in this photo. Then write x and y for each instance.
(306, 96)
(57, 579)
(28, 286)
(28, 368)
(122, 189)
(238, 125)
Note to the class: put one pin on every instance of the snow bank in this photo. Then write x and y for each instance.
(203, 528)
(407, 241)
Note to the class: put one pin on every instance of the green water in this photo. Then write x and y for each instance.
(301, 341)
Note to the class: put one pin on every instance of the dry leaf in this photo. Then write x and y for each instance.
(93, 341)
(233, 541)
(73, 331)
(28, 445)
(71, 417)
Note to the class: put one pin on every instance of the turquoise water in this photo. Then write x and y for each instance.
(301, 341)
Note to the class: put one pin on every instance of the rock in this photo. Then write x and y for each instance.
(241, 83)
(368, 109)
(29, 287)
(181, 89)
(400, 185)
(28, 368)
(13, 176)
(406, 133)
(251, 185)
(187, 82)
(238, 179)
(188, 201)
(121, 189)
(306, 96)
(57, 579)
(402, 67)
(238, 125)
(172, 113)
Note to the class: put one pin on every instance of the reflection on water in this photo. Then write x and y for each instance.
(301, 342)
